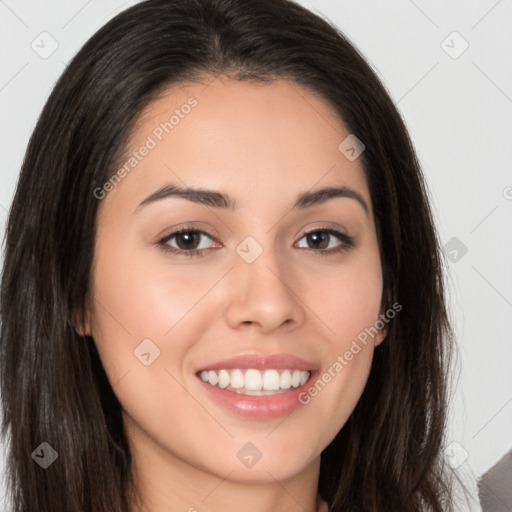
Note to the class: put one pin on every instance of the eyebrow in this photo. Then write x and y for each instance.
(217, 199)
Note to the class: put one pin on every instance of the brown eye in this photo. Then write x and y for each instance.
(186, 242)
(324, 241)
(318, 239)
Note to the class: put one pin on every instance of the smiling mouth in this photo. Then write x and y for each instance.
(255, 382)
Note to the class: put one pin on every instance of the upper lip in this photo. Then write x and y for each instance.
(262, 362)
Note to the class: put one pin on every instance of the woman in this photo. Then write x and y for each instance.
(222, 283)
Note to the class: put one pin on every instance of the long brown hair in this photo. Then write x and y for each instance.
(388, 456)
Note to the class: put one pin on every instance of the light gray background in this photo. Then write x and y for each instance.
(459, 113)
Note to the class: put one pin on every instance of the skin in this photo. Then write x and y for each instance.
(263, 144)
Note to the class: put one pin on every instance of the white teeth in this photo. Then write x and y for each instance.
(286, 380)
(271, 380)
(252, 380)
(296, 378)
(256, 382)
(224, 379)
(213, 378)
(237, 379)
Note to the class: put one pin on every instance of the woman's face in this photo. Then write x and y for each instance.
(259, 288)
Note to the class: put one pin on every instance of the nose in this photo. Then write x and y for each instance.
(262, 295)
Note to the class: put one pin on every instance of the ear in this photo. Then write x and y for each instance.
(83, 330)
(385, 299)
(383, 332)
(381, 336)
(81, 323)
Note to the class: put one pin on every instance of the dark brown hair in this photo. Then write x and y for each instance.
(388, 456)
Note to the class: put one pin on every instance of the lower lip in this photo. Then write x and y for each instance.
(269, 406)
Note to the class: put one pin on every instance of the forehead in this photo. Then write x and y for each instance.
(253, 139)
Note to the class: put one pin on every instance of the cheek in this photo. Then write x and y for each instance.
(134, 302)
(141, 309)
(345, 298)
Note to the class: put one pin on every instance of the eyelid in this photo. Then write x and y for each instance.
(326, 227)
(187, 229)
(209, 230)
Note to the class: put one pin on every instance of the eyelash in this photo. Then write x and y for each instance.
(347, 242)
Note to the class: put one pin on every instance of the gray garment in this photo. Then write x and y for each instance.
(495, 487)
